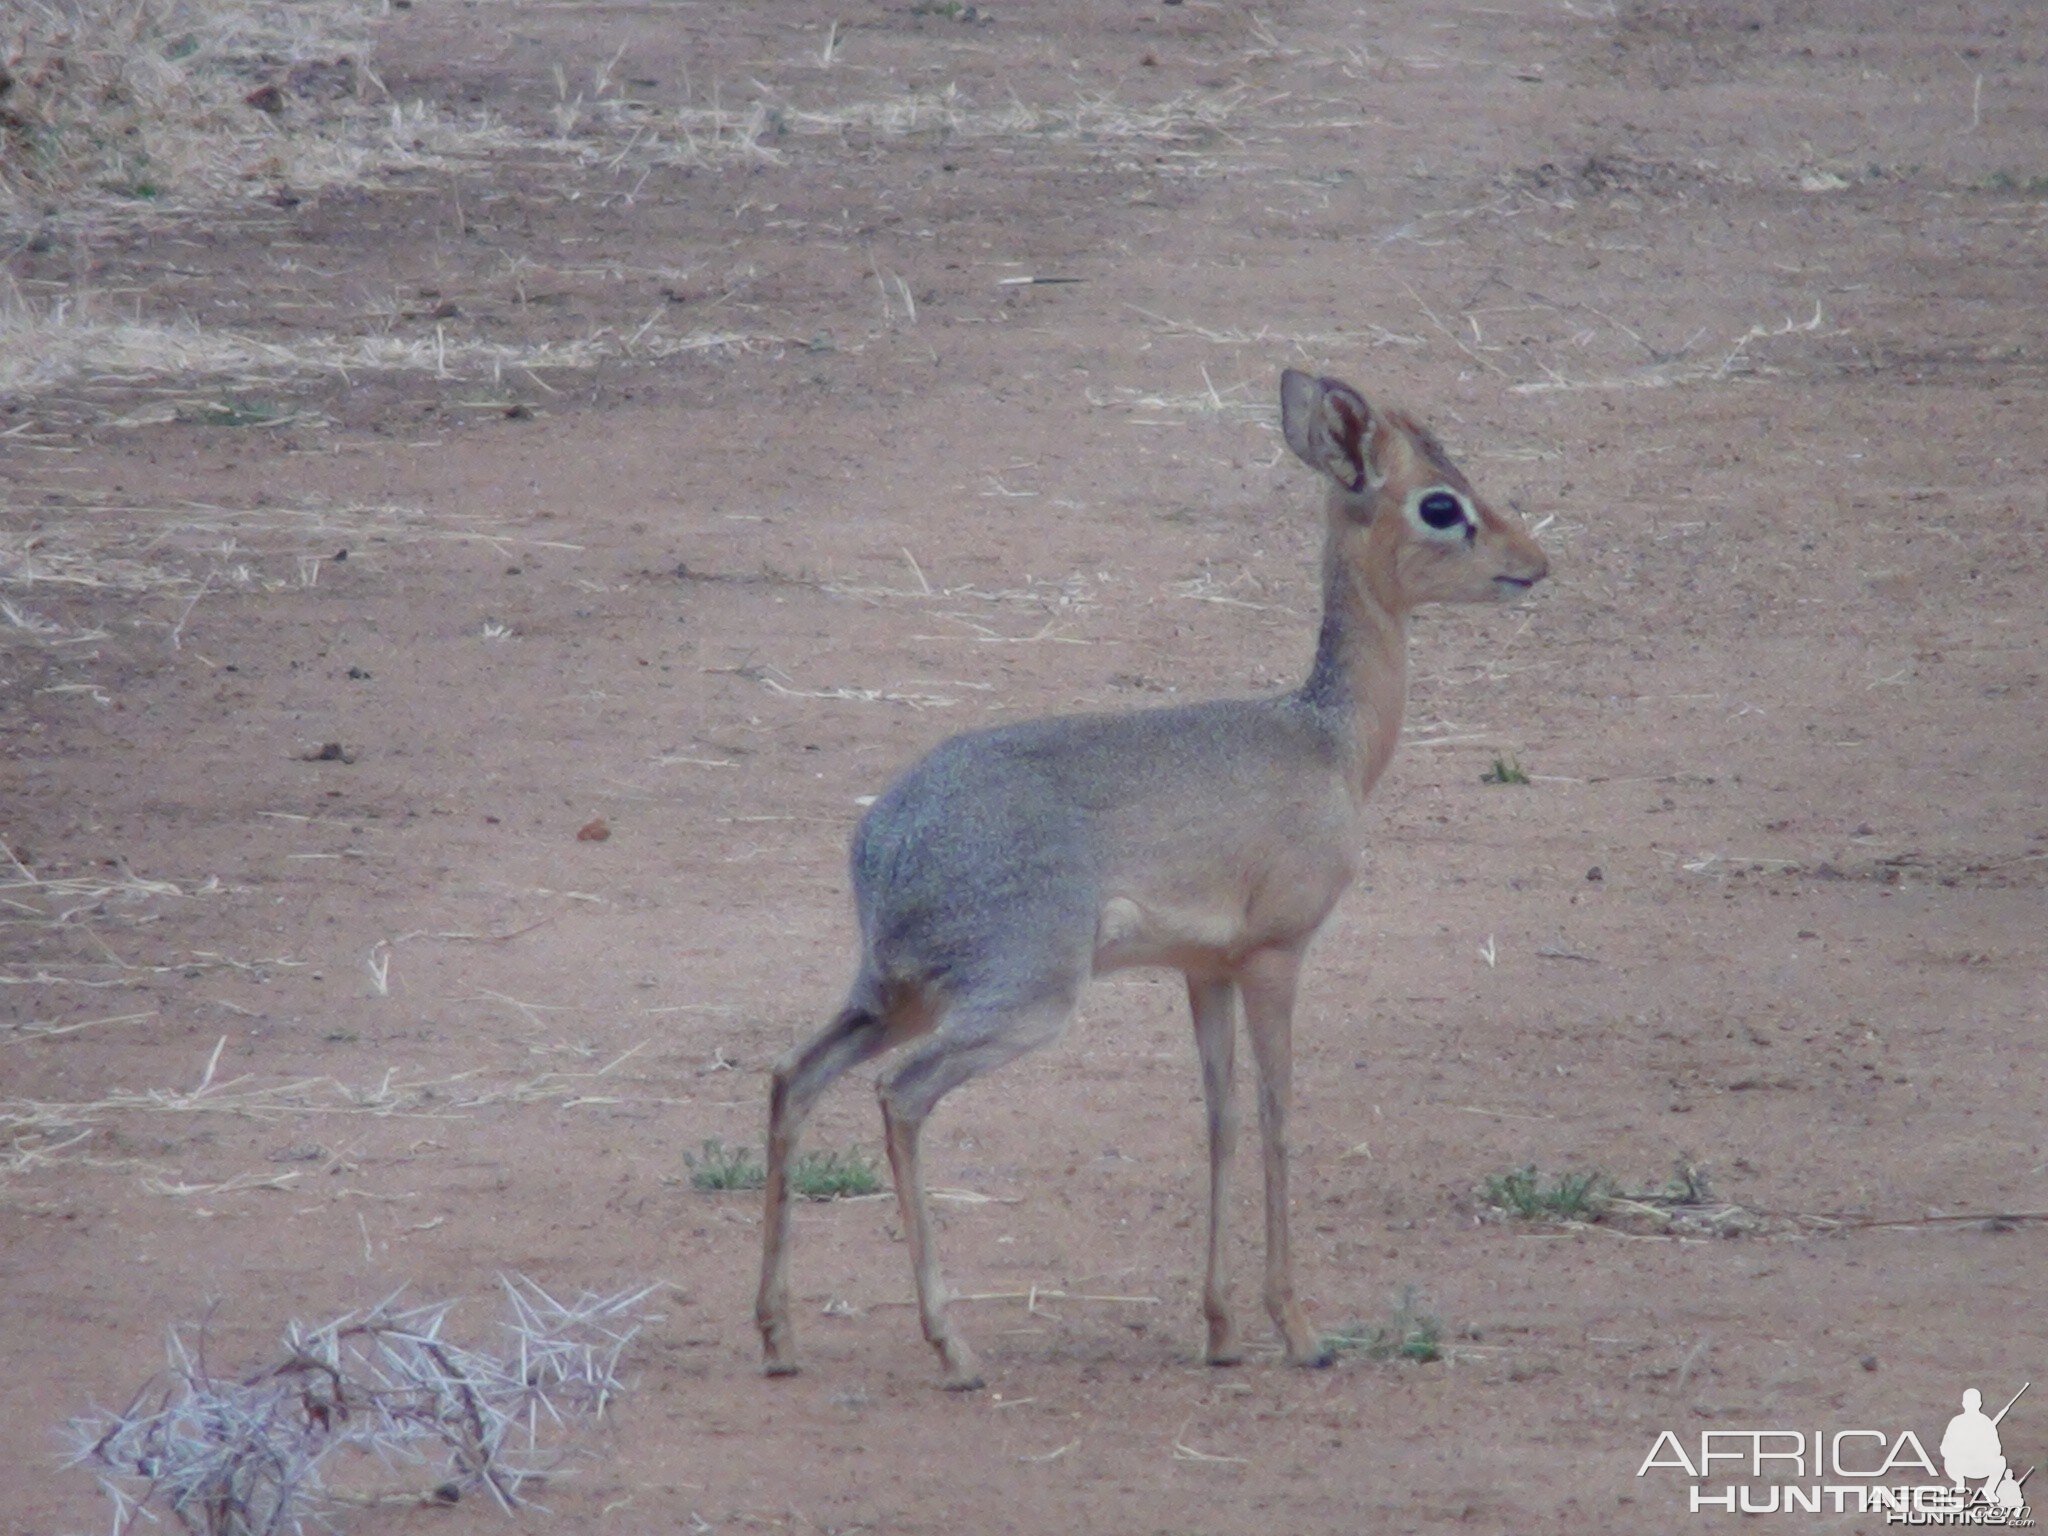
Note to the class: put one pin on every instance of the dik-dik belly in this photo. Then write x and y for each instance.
(1211, 930)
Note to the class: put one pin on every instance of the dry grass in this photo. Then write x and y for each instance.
(119, 107)
(72, 564)
(949, 113)
(1242, 401)
(72, 576)
(766, 128)
(39, 911)
(126, 105)
(65, 918)
(66, 901)
(33, 1132)
(44, 347)
(119, 110)
(147, 99)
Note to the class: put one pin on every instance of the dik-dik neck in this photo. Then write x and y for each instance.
(1359, 682)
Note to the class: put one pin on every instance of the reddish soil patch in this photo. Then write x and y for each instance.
(1744, 303)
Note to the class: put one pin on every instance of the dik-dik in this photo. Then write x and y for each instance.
(998, 874)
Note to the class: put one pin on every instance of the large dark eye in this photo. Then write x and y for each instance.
(1440, 509)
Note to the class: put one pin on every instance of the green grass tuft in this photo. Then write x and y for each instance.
(1410, 1334)
(1523, 1193)
(232, 411)
(833, 1175)
(812, 1175)
(1505, 770)
(719, 1167)
(2009, 181)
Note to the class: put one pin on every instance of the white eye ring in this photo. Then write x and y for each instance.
(1438, 512)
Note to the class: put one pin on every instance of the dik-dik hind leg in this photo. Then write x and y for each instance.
(1214, 1005)
(964, 1046)
(1267, 985)
(853, 1037)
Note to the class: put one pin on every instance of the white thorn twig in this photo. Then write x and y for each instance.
(383, 1384)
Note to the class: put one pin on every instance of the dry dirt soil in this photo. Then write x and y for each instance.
(705, 458)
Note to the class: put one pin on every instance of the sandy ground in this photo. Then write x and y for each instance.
(717, 467)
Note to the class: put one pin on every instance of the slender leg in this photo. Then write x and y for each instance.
(969, 1042)
(1214, 1005)
(853, 1037)
(1267, 985)
(771, 1305)
(957, 1359)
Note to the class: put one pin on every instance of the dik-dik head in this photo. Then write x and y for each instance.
(1401, 514)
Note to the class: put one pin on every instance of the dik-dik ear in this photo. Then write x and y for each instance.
(1330, 427)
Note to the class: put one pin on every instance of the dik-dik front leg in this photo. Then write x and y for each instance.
(1267, 986)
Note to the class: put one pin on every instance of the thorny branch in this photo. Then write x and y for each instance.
(367, 1392)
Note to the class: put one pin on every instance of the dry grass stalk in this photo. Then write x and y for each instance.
(1233, 401)
(353, 1400)
(1093, 119)
(1054, 596)
(862, 695)
(1182, 1451)
(1668, 372)
(34, 1029)
(1274, 337)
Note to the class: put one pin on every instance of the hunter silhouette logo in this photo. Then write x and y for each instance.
(1971, 1450)
(1855, 1471)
